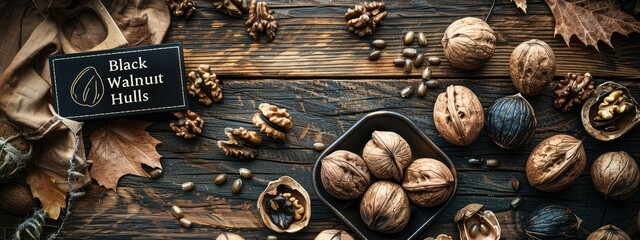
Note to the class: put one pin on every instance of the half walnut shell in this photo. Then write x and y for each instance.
(285, 185)
(556, 163)
(622, 124)
(474, 223)
(387, 154)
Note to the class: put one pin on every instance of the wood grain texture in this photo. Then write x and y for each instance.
(319, 72)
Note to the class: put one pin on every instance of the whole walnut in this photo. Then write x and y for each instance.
(608, 232)
(387, 154)
(468, 43)
(333, 234)
(428, 182)
(344, 175)
(532, 66)
(385, 207)
(615, 175)
(556, 163)
(458, 115)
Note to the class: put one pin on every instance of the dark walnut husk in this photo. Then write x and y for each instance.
(532, 66)
(261, 20)
(363, 19)
(344, 175)
(333, 234)
(511, 122)
(16, 151)
(273, 121)
(204, 85)
(387, 154)
(468, 43)
(428, 182)
(608, 232)
(182, 8)
(16, 198)
(229, 236)
(472, 218)
(385, 207)
(610, 112)
(458, 115)
(572, 91)
(285, 205)
(556, 163)
(552, 222)
(242, 143)
(189, 124)
(616, 175)
(234, 8)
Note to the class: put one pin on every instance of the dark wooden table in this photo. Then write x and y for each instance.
(319, 71)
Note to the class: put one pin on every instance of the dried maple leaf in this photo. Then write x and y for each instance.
(44, 187)
(522, 4)
(591, 20)
(120, 148)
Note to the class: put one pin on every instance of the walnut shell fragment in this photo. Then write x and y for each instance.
(468, 43)
(363, 19)
(333, 234)
(556, 163)
(474, 223)
(428, 182)
(234, 8)
(572, 91)
(182, 8)
(385, 207)
(204, 85)
(273, 121)
(458, 115)
(288, 187)
(189, 124)
(387, 154)
(616, 175)
(344, 175)
(261, 20)
(233, 147)
(610, 112)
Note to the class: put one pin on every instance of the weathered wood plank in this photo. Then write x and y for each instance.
(313, 41)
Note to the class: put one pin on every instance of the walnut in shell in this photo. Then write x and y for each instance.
(468, 43)
(334, 234)
(556, 163)
(344, 175)
(261, 20)
(244, 149)
(428, 182)
(385, 207)
(273, 121)
(532, 66)
(189, 124)
(608, 232)
(298, 198)
(458, 115)
(474, 223)
(204, 85)
(387, 154)
(616, 175)
(234, 8)
(572, 91)
(363, 19)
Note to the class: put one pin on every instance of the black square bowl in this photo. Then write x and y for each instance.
(354, 140)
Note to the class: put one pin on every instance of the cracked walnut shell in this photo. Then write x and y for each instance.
(344, 175)
(189, 124)
(468, 43)
(610, 112)
(363, 19)
(572, 91)
(261, 20)
(234, 8)
(474, 223)
(285, 186)
(458, 115)
(387, 154)
(428, 182)
(532, 66)
(233, 147)
(385, 207)
(273, 121)
(556, 163)
(204, 85)
(616, 175)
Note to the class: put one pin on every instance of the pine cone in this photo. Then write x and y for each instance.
(362, 20)
(204, 85)
(261, 20)
(573, 91)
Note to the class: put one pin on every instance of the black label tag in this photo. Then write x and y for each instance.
(119, 82)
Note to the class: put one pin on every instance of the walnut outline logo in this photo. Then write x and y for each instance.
(88, 88)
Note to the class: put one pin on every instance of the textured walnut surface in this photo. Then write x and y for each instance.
(242, 143)
(363, 19)
(234, 8)
(468, 43)
(182, 8)
(428, 182)
(532, 66)
(189, 124)
(616, 175)
(458, 115)
(572, 91)
(387, 154)
(385, 207)
(556, 163)
(344, 175)
(261, 20)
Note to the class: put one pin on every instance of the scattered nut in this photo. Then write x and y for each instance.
(422, 39)
(273, 121)
(233, 147)
(419, 60)
(245, 173)
(237, 186)
(515, 184)
(188, 186)
(492, 163)
(422, 89)
(471, 219)
(379, 43)
(475, 161)
(234, 8)
(408, 66)
(189, 124)
(516, 202)
(406, 92)
(177, 212)
(363, 19)
(532, 67)
(408, 38)
(185, 223)
(399, 62)
(432, 83)
(155, 173)
(374, 55)
(182, 8)
(426, 74)
(220, 179)
(608, 232)
(205, 85)
(435, 61)
(261, 20)
(318, 146)
(409, 52)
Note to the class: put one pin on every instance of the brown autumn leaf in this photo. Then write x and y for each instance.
(120, 148)
(522, 4)
(44, 187)
(591, 20)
